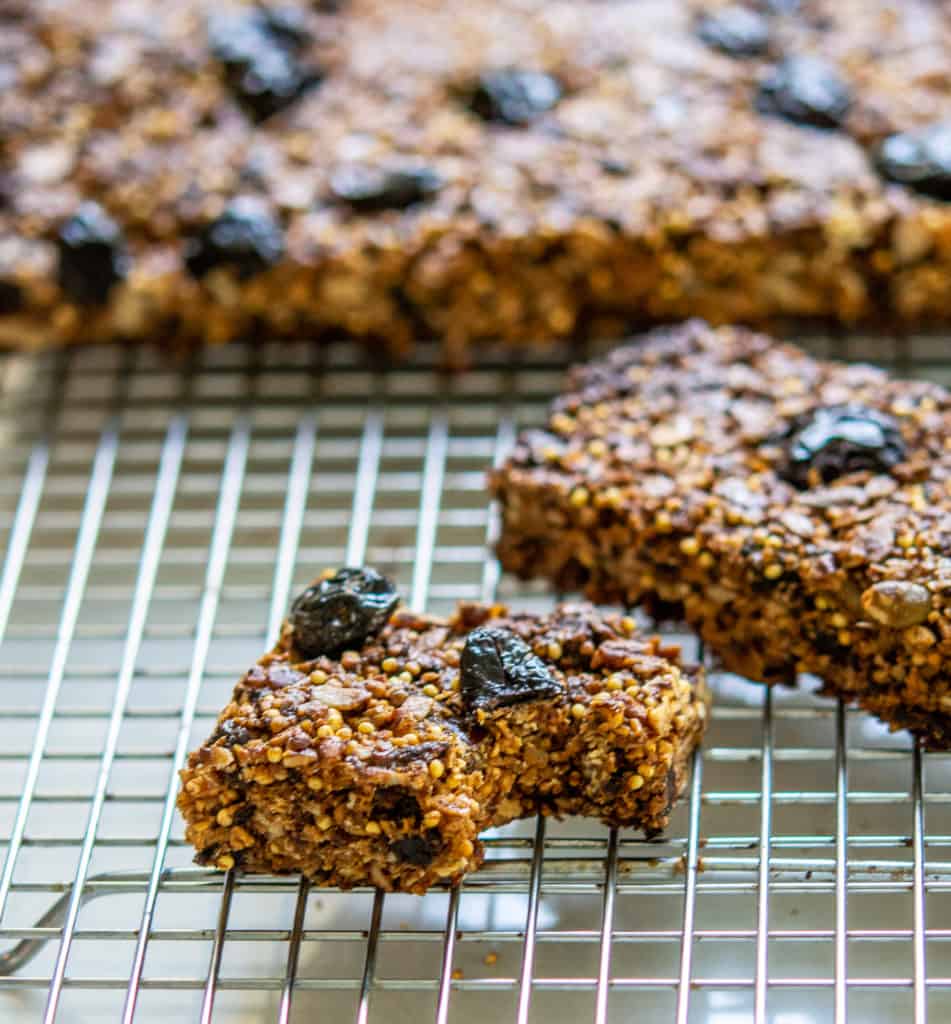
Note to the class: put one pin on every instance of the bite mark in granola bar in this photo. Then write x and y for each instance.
(380, 765)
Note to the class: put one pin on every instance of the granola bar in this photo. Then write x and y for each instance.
(514, 170)
(796, 512)
(380, 765)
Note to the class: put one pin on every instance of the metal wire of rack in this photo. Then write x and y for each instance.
(154, 518)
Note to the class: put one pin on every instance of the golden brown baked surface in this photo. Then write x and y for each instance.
(382, 766)
(515, 170)
(796, 511)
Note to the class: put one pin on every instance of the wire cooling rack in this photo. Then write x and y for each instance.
(155, 519)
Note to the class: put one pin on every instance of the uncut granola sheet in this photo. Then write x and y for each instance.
(515, 170)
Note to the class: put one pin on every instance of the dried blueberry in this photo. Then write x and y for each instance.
(260, 51)
(807, 90)
(418, 850)
(828, 643)
(615, 166)
(498, 669)
(246, 237)
(92, 255)
(920, 159)
(735, 30)
(830, 442)
(512, 96)
(369, 189)
(396, 803)
(11, 297)
(342, 612)
(230, 730)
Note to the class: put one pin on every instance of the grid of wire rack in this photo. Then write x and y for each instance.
(155, 519)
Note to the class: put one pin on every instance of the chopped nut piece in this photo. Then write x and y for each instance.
(896, 603)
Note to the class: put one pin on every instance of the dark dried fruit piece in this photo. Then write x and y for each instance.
(807, 90)
(614, 166)
(230, 730)
(735, 30)
(287, 24)
(514, 97)
(259, 49)
(400, 757)
(418, 850)
(370, 189)
(396, 803)
(92, 255)
(920, 159)
(831, 442)
(342, 612)
(246, 237)
(498, 669)
(11, 297)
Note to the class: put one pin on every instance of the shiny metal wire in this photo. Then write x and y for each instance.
(155, 520)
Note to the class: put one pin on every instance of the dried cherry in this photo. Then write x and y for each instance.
(833, 441)
(735, 30)
(498, 669)
(807, 90)
(512, 96)
(342, 612)
(92, 255)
